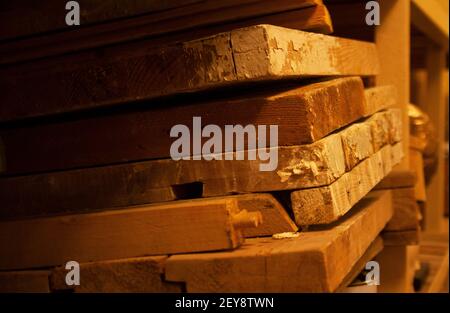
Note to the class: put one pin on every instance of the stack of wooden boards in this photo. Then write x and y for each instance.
(99, 187)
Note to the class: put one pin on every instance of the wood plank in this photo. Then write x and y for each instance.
(166, 179)
(326, 204)
(392, 38)
(406, 211)
(401, 238)
(128, 275)
(379, 98)
(375, 247)
(22, 19)
(398, 179)
(25, 281)
(163, 28)
(316, 261)
(304, 114)
(185, 226)
(416, 163)
(251, 54)
(274, 220)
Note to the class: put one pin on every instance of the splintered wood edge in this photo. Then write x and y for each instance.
(195, 269)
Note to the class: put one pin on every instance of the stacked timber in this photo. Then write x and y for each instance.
(88, 174)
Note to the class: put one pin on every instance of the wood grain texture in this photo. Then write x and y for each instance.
(88, 189)
(326, 204)
(398, 179)
(144, 274)
(162, 27)
(257, 53)
(316, 261)
(406, 211)
(304, 114)
(379, 98)
(19, 18)
(25, 281)
(186, 226)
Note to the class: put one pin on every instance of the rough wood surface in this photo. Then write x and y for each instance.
(406, 211)
(401, 238)
(185, 226)
(304, 114)
(316, 261)
(25, 281)
(19, 18)
(375, 247)
(416, 164)
(398, 179)
(87, 189)
(162, 28)
(326, 204)
(380, 98)
(256, 53)
(144, 274)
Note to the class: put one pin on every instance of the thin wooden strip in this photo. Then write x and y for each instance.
(316, 261)
(257, 53)
(304, 114)
(185, 226)
(144, 274)
(326, 204)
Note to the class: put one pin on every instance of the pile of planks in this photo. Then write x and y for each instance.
(87, 174)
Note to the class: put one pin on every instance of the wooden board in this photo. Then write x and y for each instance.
(401, 238)
(416, 164)
(25, 281)
(162, 28)
(185, 226)
(22, 19)
(379, 98)
(128, 275)
(316, 261)
(304, 114)
(375, 247)
(257, 53)
(406, 211)
(398, 179)
(164, 180)
(326, 204)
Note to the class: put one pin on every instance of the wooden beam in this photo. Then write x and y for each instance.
(416, 164)
(316, 261)
(398, 179)
(406, 211)
(185, 226)
(401, 238)
(251, 54)
(163, 27)
(127, 275)
(392, 38)
(380, 98)
(326, 204)
(304, 114)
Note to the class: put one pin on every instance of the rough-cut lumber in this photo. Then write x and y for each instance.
(398, 179)
(19, 18)
(250, 54)
(304, 114)
(25, 281)
(375, 247)
(304, 166)
(128, 275)
(416, 164)
(185, 226)
(274, 217)
(379, 98)
(149, 28)
(326, 204)
(316, 261)
(401, 238)
(406, 211)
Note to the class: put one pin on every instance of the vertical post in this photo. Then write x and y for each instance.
(392, 38)
(435, 107)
